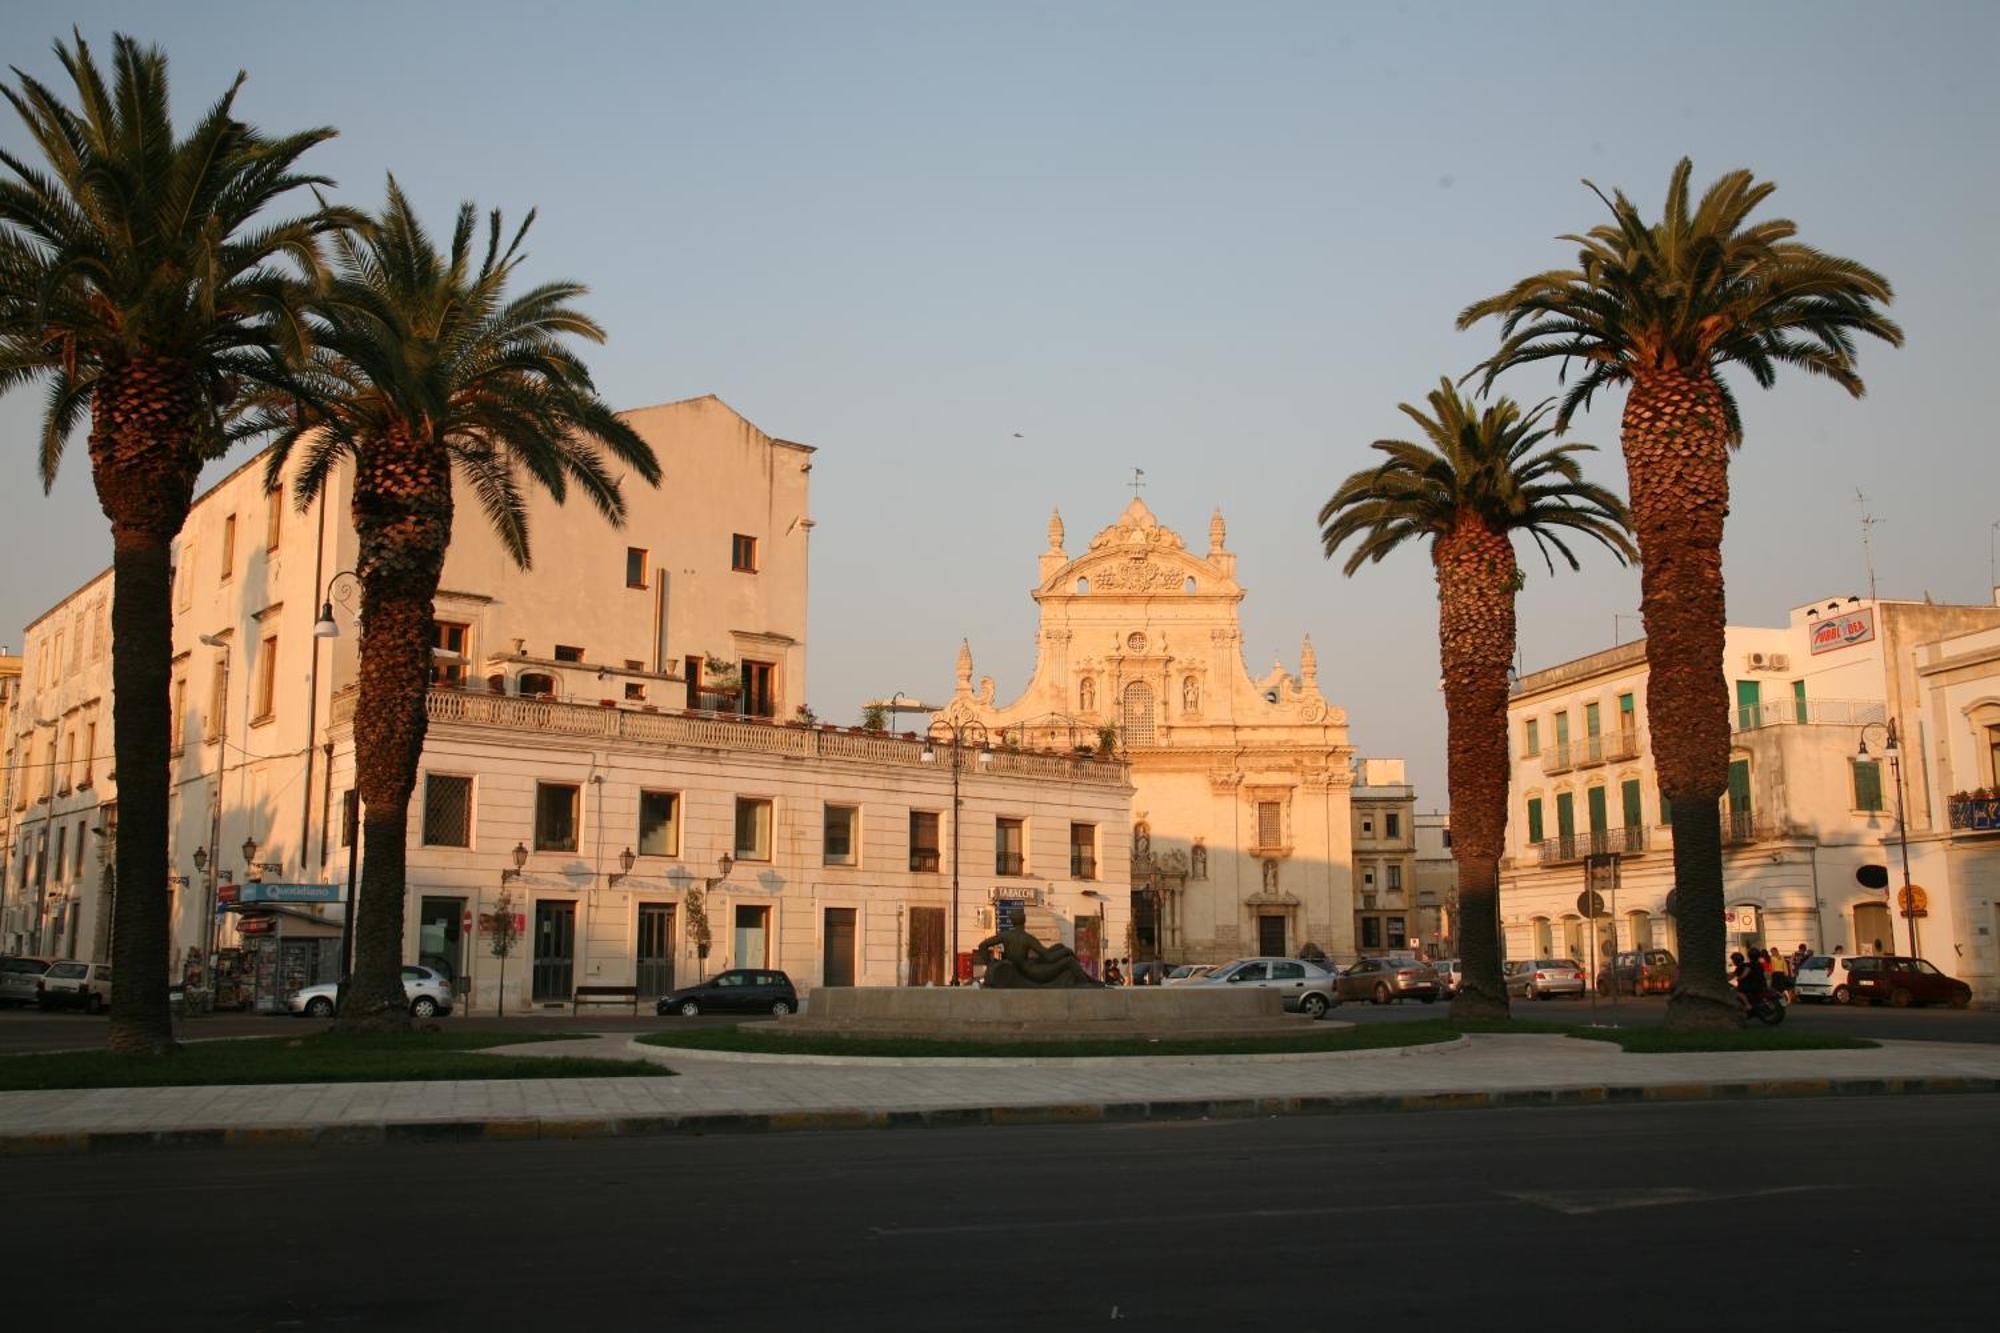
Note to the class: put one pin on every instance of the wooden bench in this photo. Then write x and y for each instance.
(605, 995)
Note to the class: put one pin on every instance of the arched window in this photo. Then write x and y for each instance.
(534, 683)
(1639, 926)
(1137, 722)
(1544, 941)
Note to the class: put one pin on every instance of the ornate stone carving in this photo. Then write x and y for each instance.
(1190, 696)
(1199, 861)
(1086, 696)
(1141, 575)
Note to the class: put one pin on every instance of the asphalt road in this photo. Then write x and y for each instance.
(1632, 1217)
(27, 1030)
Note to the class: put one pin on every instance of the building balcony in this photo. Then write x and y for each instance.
(1807, 713)
(502, 713)
(1975, 816)
(1621, 747)
(1632, 841)
(1558, 758)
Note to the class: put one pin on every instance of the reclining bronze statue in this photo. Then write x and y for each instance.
(1025, 963)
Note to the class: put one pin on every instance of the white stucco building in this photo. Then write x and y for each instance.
(1242, 829)
(1809, 821)
(637, 691)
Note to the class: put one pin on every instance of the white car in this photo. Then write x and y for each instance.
(1825, 979)
(86, 986)
(428, 991)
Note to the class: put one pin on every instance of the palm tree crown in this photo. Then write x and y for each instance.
(1486, 465)
(130, 245)
(414, 347)
(1698, 290)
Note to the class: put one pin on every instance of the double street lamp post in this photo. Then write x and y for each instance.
(1907, 899)
(958, 735)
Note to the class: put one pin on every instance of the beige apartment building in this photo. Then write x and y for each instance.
(1242, 834)
(1437, 883)
(606, 728)
(1811, 822)
(1386, 915)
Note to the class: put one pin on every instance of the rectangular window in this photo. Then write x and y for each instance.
(69, 761)
(1398, 937)
(1009, 846)
(743, 553)
(659, 823)
(1083, 851)
(1367, 828)
(76, 867)
(1628, 792)
(448, 642)
(89, 750)
(1595, 800)
(1371, 932)
(1867, 785)
(635, 566)
(184, 578)
(1534, 819)
(837, 841)
(62, 836)
(1395, 873)
(1626, 716)
(1562, 730)
(753, 829)
(1531, 737)
(555, 816)
(1392, 825)
(1739, 788)
(759, 689)
(1749, 705)
(228, 548)
(1593, 723)
(447, 810)
(1799, 711)
(923, 840)
(218, 701)
(274, 523)
(1270, 824)
(568, 653)
(267, 679)
(1565, 814)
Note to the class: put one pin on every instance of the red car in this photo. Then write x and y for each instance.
(1898, 980)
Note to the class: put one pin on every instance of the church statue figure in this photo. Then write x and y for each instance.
(1190, 695)
(1086, 696)
(1270, 877)
(1025, 963)
(1200, 861)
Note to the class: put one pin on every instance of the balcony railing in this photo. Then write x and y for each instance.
(1976, 816)
(1807, 713)
(1558, 758)
(1739, 826)
(924, 858)
(510, 712)
(1629, 841)
(1621, 746)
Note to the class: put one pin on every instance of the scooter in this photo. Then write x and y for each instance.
(1766, 1007)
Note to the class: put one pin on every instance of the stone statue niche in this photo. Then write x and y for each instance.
(1025, 963)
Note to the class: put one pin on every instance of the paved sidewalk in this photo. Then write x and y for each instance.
(719, 1093)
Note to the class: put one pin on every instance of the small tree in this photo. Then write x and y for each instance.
(505, 934)
(697, 925)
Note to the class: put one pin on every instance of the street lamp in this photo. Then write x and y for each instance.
(262, 868)
(625, 862)
(1895, 754)
(520, 863)
(959, 735)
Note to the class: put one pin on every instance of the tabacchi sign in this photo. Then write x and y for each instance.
(1837, 630)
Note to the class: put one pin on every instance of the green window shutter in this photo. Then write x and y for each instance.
(1534, 737)
(1534, 819)
(1666, 812)
(1562, 728)
(1565, 814)
(1867, 785)
(1629, 791)
(1799, 701)
(1625, 703)
(1749, 695)
(1593, 724)
(1595, 797)
(1739, 786)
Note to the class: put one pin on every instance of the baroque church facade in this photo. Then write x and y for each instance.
(1242, 833)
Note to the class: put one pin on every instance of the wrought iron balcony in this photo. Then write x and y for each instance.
(1976, 816)
(1807, 713)
(1621, 746)
(1630, 841)
(1558, 758)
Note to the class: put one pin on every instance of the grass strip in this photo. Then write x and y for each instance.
(413, 1057)
(1364, 1038)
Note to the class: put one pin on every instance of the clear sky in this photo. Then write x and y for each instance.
(1218, 242)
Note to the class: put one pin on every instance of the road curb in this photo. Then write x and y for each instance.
(668, 1054)
(518, 1129)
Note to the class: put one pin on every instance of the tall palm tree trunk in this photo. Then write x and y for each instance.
(402, 512)
(1477, 578)
(144, 413)
(1677, 461)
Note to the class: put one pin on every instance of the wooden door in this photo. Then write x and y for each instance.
(837, 948)
(654, 971)
(926, 946)
(1271, 936)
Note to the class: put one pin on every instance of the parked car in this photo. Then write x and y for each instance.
(428, 990)
(754, 990)
(1639, 972)
(1306, 988)
(1187, 972)
(1899, 980)
(1544, 978)
(18, 976)
(1450, 976)
(75, 985)
(1825, 979)
(1384, 980)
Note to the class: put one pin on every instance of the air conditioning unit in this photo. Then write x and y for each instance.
(1780, 662)
(1769, 662)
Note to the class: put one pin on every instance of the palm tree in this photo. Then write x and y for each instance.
(1475, 480)
(425, 371)
(139, 284)
(1662, 309)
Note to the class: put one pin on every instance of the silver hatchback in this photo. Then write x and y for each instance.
(19, 978)
(1306, 988)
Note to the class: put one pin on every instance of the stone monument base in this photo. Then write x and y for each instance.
(970, 1013)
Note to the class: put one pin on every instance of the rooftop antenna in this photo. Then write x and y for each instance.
(1618, 619)
(1868, 521)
